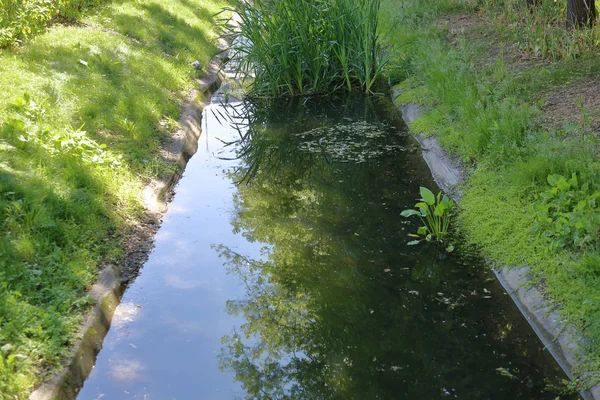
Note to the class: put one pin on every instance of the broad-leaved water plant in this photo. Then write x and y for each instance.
(435, 213)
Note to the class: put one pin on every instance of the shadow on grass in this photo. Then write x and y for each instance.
(173, 34)
(125, 88)
(59, 214)
(55, 221)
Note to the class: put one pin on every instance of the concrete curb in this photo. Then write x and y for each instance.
(561, 342)
(109, 288)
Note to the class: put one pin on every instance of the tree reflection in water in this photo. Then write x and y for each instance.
(338, 306)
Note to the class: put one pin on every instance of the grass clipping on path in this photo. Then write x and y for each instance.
(83, 112)
(297, 47)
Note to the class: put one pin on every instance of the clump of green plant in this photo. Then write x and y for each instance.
(296, 47)
(435, 212)
(570, 212)
(20, 19)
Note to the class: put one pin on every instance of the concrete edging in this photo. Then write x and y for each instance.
(561, 342)
(109, 288)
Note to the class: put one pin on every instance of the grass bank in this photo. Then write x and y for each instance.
(507, 90)
(84, 110)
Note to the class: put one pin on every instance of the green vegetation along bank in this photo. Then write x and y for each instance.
(515, 94)
(312, 47)
(84, 109)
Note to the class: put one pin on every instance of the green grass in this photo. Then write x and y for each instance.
(541, 32)
(84, 109)
(485, 109)
(22, 19)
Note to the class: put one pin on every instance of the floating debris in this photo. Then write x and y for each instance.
(352, 143)
(504, 372)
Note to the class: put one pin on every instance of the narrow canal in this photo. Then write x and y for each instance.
(281, 271)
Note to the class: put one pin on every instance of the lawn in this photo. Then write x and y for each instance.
(84, 109)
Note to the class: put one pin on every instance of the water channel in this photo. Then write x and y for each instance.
(281, 271)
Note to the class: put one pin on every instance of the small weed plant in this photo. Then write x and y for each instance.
(435, 212)
(570, 212)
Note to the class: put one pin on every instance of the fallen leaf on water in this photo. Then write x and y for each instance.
(505, 372)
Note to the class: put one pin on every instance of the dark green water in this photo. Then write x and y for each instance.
(282, 272)
(342, 307)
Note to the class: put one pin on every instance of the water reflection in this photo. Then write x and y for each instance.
(338, 306)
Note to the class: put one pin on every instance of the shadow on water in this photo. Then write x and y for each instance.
(338, 306)
(335, 305)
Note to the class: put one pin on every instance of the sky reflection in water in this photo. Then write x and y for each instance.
(281, 265)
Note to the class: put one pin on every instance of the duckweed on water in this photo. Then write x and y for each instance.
(348, 142)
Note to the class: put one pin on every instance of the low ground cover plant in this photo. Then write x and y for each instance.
(435, 212)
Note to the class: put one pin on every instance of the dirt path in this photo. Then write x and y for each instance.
(577, 102)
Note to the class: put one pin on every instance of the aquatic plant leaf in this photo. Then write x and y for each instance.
(427, 195)
(421, 205)
(504, 372)
(409, 213)
(440, 209)
(422, 231)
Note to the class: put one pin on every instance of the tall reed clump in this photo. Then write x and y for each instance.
(297, 47)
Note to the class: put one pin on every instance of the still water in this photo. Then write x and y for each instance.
(281, 271)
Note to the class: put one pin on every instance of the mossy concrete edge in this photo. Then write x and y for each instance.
(549, 326)
(109, 287)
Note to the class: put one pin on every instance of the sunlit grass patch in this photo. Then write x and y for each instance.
(540, 29)
(84, 110)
